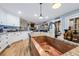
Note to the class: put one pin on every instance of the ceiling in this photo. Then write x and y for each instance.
(30, 9)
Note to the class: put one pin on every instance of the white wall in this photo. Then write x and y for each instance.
(8, 19)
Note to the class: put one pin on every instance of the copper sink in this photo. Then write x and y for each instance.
(52, 46)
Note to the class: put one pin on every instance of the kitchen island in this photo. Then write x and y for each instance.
(6, 39)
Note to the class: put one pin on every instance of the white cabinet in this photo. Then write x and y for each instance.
(12, 20)
(3, 42)
(2, 18)
(8, 19)
(9, 38)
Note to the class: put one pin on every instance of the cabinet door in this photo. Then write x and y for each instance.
(3, 42)
(3, 38)
(3, 46)
(77, 23)
(2, 18)
(12, 20)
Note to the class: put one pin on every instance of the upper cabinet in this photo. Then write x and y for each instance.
(12, 20)
(2, 18)
(8, 19)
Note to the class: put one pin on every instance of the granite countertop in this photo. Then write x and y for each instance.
(73, 52)
(14, 32)
(3, 33)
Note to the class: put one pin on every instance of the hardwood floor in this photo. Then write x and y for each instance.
(19, 48)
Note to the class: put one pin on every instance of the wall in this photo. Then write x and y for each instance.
(65, 19)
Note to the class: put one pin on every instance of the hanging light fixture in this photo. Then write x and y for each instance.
(40, 17)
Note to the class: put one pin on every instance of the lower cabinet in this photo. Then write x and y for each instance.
(9, 38)
(3, 45)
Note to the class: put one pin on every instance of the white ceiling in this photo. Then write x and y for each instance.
(30, 9)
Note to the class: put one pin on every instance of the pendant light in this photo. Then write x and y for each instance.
(40, 17)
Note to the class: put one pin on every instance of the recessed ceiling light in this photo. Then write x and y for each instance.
(19, 12)
(36, 15)
(56, 5)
